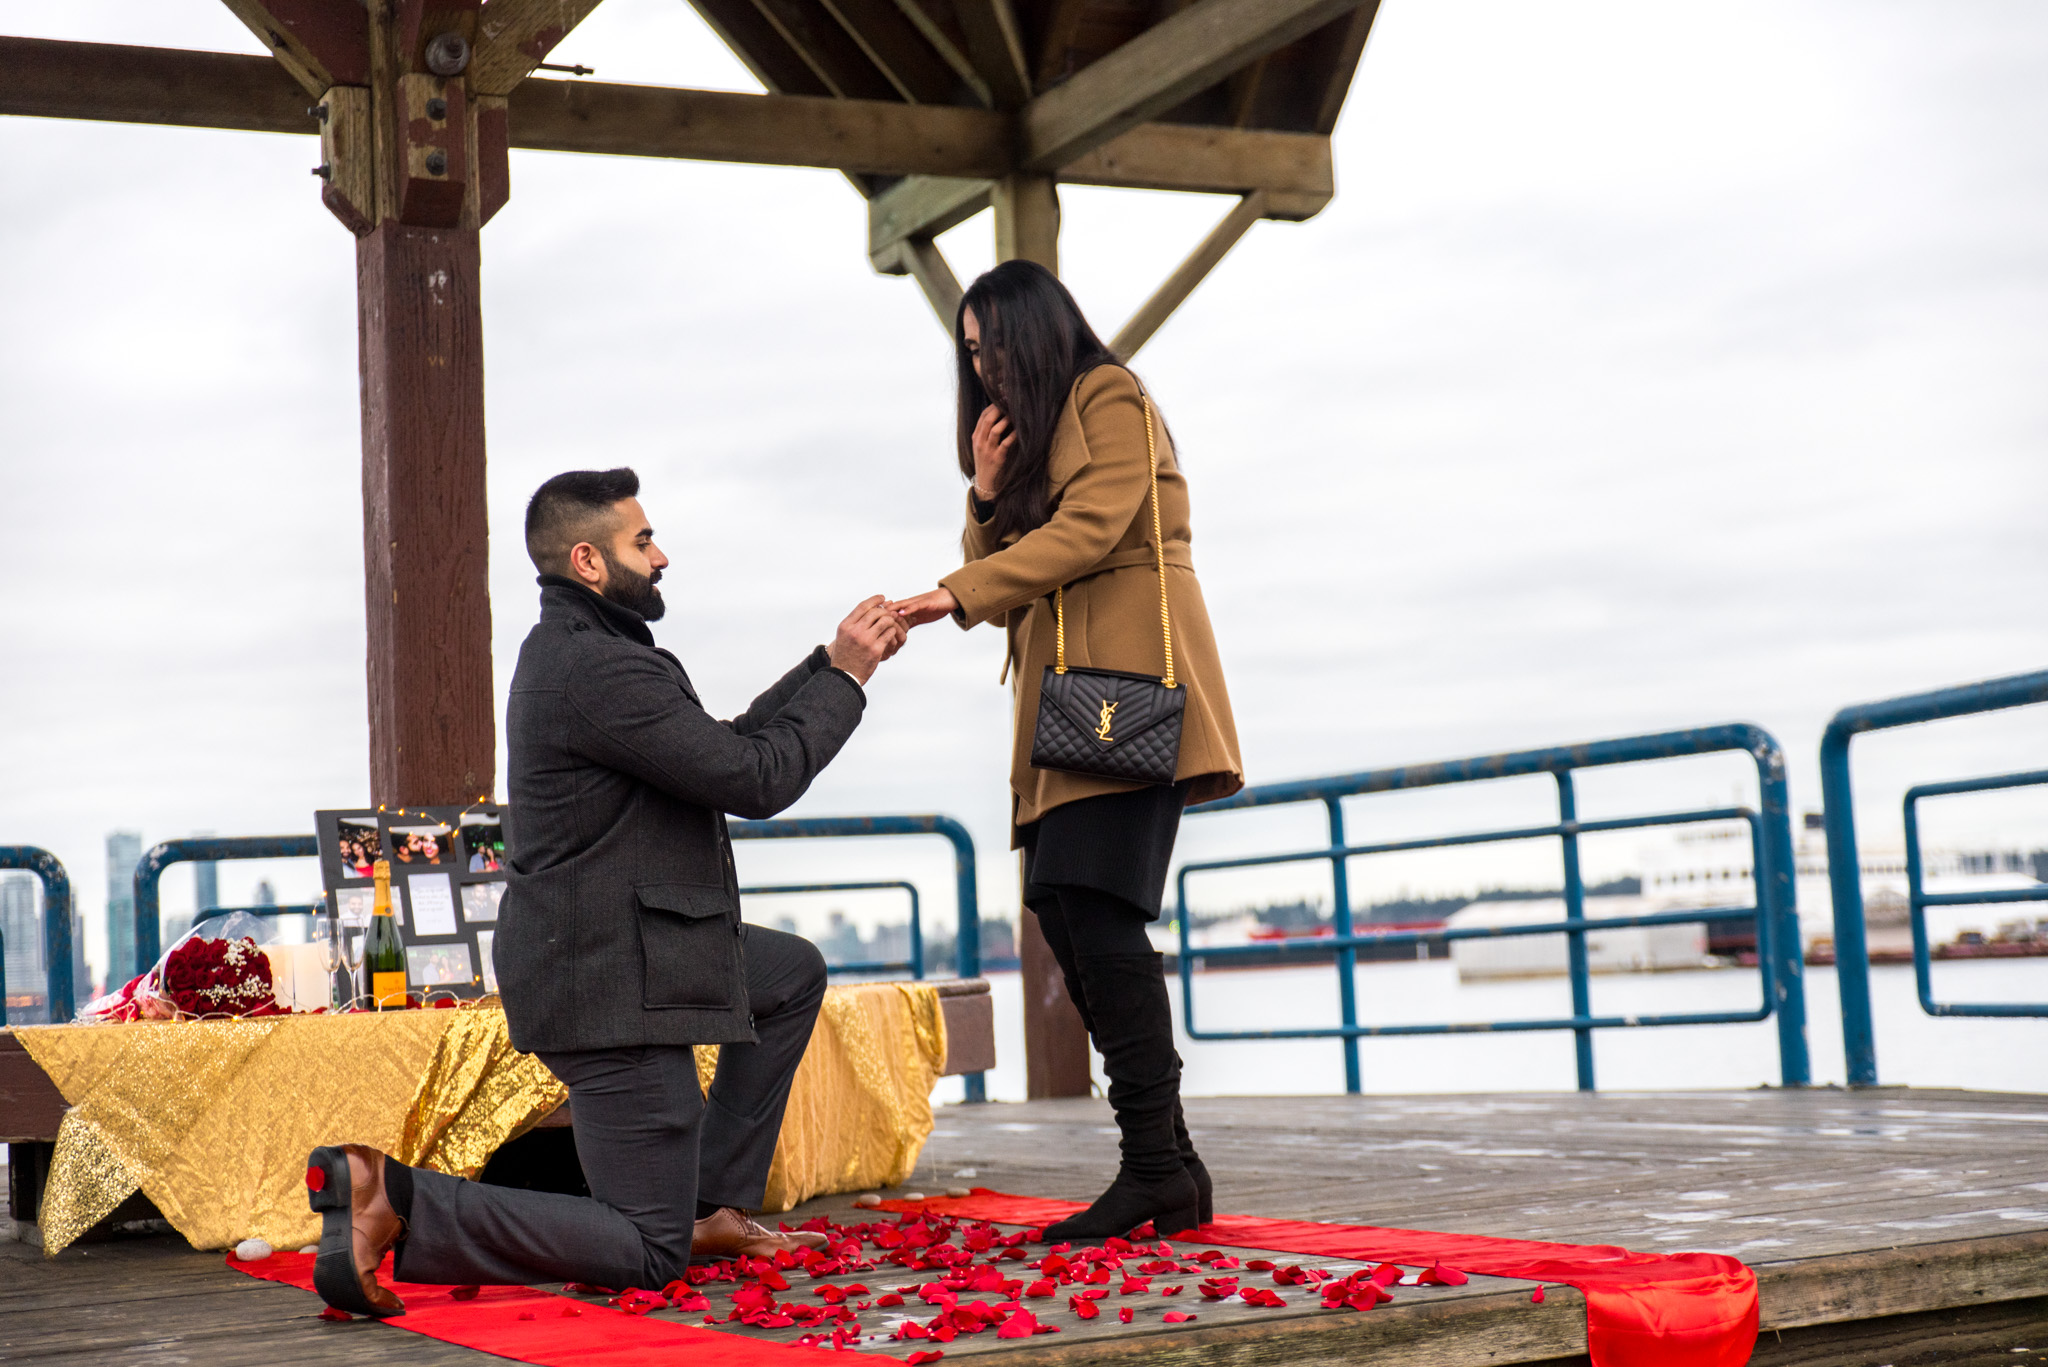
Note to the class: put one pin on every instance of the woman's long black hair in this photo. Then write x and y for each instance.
(1034, 345)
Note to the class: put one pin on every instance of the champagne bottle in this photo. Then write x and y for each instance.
(383, 951)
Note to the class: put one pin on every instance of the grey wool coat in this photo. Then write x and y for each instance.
(620, 924)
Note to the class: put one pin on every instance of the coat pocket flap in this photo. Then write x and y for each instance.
(685, 899)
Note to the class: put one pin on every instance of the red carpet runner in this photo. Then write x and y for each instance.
(598, 1336)
(1642, 1309)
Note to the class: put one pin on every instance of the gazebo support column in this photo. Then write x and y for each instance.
(1055, 1042)
(426, 536)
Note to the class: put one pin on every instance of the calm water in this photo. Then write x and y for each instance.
(1912, 1047)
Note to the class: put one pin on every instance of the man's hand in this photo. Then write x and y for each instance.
(926, 607)
(870, 634)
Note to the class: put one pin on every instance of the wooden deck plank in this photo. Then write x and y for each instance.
(1899, 1212)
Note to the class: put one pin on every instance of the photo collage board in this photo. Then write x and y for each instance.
(447, 877)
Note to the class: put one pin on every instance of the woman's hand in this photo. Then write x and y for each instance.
(930, 607)
(993, 443)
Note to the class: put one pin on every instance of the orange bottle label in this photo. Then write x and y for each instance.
(389, 990)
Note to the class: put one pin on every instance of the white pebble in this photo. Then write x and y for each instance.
(867, 1200)
(310, 1248)
(253, 1250)
(911, 1196)
(958, 1191)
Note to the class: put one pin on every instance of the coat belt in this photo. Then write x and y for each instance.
(1179, 554)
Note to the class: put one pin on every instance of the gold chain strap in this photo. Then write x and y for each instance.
(1158, 546)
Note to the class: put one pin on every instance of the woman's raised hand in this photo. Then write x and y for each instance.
(927, 607)
(993, 443)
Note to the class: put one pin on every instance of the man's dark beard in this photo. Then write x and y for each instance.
(630, 589)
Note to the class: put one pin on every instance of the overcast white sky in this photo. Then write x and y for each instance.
(1654, 367)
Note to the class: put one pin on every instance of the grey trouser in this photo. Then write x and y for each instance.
(651, 1144)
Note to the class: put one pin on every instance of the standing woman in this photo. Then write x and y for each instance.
(1060, 442)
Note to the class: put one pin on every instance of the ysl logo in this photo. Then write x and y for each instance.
(1102, 724)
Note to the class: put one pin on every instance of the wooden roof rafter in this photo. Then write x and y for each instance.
(928, 106)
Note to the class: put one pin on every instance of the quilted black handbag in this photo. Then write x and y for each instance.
(1108, 722)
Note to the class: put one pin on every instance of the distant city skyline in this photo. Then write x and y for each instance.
(124, 852)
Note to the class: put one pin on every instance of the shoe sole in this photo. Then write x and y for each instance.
(334, 1268)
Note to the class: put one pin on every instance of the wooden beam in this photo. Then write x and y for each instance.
(1162, 66)
(1027, 219)
(1294, 170)
(922, 206)
(921, 260)
(878, 136)
(1190, 273)
(996, 47)
(827, 48)
(950, 45)
(897, 48)
(44, 78)
(515, 36)
(1349, 51)
(52, 79)
(322, 43)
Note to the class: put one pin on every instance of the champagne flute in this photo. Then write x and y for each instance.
(327, 935)
(354, 926)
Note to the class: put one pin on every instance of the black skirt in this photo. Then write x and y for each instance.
(1118, 843)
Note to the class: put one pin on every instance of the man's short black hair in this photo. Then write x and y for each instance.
(572, 508)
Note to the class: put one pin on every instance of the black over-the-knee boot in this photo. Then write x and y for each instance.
(1052, 925)
(1133, 1027)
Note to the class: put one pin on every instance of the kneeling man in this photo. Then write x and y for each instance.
(620, 943)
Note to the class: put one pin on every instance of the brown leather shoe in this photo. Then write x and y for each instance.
(730, 1233)
(345, 1184)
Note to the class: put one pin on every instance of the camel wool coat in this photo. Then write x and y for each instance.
(1098, 542)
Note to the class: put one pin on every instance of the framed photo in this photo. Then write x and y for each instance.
(447, 879)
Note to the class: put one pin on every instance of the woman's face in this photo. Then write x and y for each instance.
(970, 331)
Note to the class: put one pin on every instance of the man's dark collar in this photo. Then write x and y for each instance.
(621, 621)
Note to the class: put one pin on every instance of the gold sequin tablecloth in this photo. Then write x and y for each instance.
(212, 1120)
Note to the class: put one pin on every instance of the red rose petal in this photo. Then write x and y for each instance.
(1536, 1296)
(920, 1358)
(1440, 1275)
(1123, 1314)
(335, 1316)
(1177, 1317)
(463, 1293)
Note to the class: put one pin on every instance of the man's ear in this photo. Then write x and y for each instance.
(586, 563)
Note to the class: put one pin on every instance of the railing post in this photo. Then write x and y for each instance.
(1778, 903)
(1845, 883)
(1347, 957)
(967, 940)
(1575, 940)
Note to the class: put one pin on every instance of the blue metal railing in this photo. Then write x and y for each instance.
(1845, 882)
(56, 929)
(915, 963)
(206, 850)
(967, 944)
(1775, 913)
(1919, 899)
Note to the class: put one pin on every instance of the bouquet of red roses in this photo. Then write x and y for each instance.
(200, 976)
(216, 977)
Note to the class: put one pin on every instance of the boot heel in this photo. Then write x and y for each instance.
(1175, 1224)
